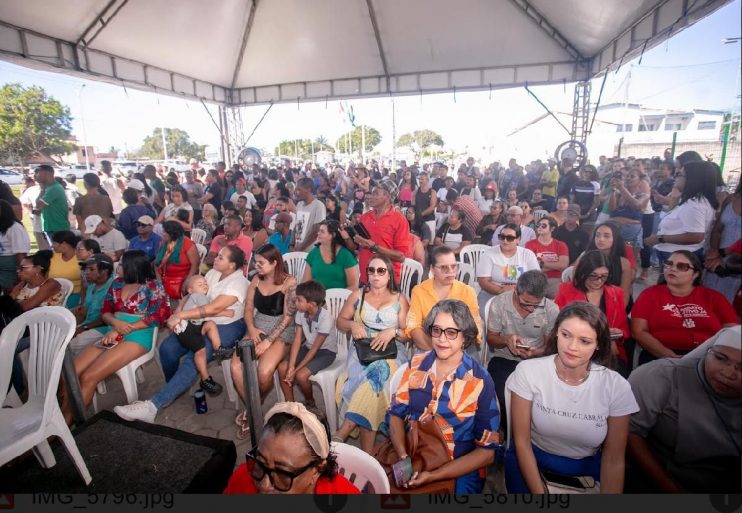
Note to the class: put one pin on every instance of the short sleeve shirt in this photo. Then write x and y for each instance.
(233, 285)
(54, 216)
(549, 253)
(14, 240)
(332, 275)
(534, 328)
(112, 241)
(307, 216)
(320, 324)
(454, 237)
(501, 269)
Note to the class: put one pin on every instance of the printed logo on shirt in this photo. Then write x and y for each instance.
(512, 272)
(686, 312)
(548, 256)
(600, 420)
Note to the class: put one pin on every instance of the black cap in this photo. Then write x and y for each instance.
(100, 259)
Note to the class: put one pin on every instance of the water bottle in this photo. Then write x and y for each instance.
(200, 399)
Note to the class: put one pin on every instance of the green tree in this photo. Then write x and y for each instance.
(373, 138)
(302, 148)
(32, 122)
(421, 138)
(178, 144)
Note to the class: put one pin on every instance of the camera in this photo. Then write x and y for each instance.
(618, 175)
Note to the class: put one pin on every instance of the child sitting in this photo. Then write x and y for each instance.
(320, 344)
(191, 333)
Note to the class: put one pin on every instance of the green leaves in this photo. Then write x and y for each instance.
(178, 144)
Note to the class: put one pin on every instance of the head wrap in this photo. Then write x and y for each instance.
(314, 431)
(728, 338)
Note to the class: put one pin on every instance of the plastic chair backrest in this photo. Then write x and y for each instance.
(360, 468)
(485, 347)
(409, 268)
(50, 331)
(568, 274)
(198, 236)
(471, 254)
(540, 214)
(295, 262)
(67, 287)
(334, 300)
(466, 274)
(202, 251)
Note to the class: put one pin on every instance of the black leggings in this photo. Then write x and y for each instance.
(646, 251)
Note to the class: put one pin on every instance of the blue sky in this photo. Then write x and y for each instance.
(693, 69)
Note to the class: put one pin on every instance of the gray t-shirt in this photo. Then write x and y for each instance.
(321, 324)
(306, 217)
(194, 301)
(505, 320)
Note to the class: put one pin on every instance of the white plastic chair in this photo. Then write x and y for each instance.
(409, 268)
(568, 274)
(128, 375)
(327, 378)
(295, 263)
(30, 425)
(540, 214)
(198, 236)
(396, 378)
(67, 287)
(360, 468)
(484, 351)
(202, 251)
(471, 254)
(467, 275)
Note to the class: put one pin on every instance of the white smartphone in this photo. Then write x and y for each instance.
(102, 346)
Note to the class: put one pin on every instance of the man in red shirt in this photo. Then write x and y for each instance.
(388, 228)
(232, 237)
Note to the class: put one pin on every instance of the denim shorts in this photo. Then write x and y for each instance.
(632, 233)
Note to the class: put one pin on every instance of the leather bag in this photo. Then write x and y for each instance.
(367, 356)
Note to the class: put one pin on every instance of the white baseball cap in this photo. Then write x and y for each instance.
(92, 222)
(135, 184)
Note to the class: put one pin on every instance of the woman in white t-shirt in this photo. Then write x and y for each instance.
(569, 411)
(500, 267)
(14, 246)
(179, 201)
(685, 226)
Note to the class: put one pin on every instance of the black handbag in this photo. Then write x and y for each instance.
(366, 355)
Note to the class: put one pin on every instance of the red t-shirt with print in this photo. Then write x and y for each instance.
(549, 253)
(683, 323)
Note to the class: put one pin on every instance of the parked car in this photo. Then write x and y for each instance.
(79, 170)
(11, 177)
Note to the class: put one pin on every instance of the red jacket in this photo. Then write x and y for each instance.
(242, 482)
(615, 312)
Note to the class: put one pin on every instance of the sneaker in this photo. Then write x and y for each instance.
(138, 410)
(210, 386)
(223, 353)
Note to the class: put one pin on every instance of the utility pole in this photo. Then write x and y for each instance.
(164, 144)
(394, 140)
(84, 132)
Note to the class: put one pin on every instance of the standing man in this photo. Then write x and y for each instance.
(195, 191)
(114, 187)
(309, 213)
(212, 192)
(51, 204)
(28, 200)
(150, 173)
(93, 202)
(571, 234)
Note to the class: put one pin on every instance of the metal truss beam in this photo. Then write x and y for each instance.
(375, 25)
(547, 28)
(243, 45)
(84, 40)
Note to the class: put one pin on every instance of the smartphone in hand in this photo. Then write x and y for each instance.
(402, 471)
(100, 345)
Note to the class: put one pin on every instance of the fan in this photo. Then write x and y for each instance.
(572, 150)
(249, 156)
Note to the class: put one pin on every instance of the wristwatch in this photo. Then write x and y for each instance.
(661, 239)
(396, 333)
(375, 248)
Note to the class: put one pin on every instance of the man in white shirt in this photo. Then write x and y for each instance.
(28, 201)
(112, 242)
(114, 187)
(515, 216)
(309, 213)
(241, 191)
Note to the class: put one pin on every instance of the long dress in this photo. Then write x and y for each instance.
(362, 394)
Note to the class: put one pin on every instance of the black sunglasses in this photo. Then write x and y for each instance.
(381, 271)
(509, 238)
(281, 480)
(139, 225)
(680, 266)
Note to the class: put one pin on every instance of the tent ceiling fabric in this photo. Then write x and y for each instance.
(295, 49)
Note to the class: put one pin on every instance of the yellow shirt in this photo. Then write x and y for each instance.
(550, 176)
(69, 269)
(424, 299)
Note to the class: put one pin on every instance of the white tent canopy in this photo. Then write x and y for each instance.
(245, 52)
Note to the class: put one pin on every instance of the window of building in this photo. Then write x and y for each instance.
(624, 128)
(646, 127)
(672, 127)
(707, 125)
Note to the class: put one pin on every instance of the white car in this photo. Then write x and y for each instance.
(79, 170)
(11, 177)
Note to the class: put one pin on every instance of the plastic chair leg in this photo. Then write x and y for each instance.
(74, 453)
(44, 454)
(229, 383)
(129, 381)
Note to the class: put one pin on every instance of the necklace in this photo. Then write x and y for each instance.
(571, 381)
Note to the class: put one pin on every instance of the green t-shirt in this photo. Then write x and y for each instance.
(54, 216)
(332, 276)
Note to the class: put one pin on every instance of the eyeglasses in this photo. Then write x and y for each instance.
(141, 225)
(724, 360)
(381, 271)
(527, 306)
(509, 238)
(281, 480)
(543, 225)
(680, 266)
(437, 332)
(597, 277)
(447, 268)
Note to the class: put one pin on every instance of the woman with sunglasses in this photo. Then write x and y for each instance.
(450, 384)
(676, 315)
(608, 240)
(499, 268)
(293, 456)
(687, 435)
(590, 284)
(569, 412)
(378, 312)
(330, 262)
(552, 254)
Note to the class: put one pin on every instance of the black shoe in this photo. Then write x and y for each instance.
(223, 353)
(211, 387)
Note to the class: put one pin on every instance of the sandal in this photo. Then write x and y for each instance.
(243, 431)
(241, 418)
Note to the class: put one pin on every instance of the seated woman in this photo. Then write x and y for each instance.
(176, 260)
(608, 240)
(133, 306)
(450, 384)
(65, 263)
(377, 312)
(253, 228)
(687, 434)
(208, 223)
(35, 287)
(552, 254)
(676, 315)
(590, 284)
(179, 201)
(293, 456)
(569, 411)
(330, 262)
(270, 305)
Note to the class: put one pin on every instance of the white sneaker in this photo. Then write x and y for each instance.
(138, 410)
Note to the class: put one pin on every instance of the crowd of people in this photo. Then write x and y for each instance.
(583, 380)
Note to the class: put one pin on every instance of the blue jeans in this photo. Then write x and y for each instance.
(515, 483)
(179, 376)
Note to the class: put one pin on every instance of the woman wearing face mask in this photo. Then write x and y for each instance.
(293, 456)
(687, 434)
(676, 315)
